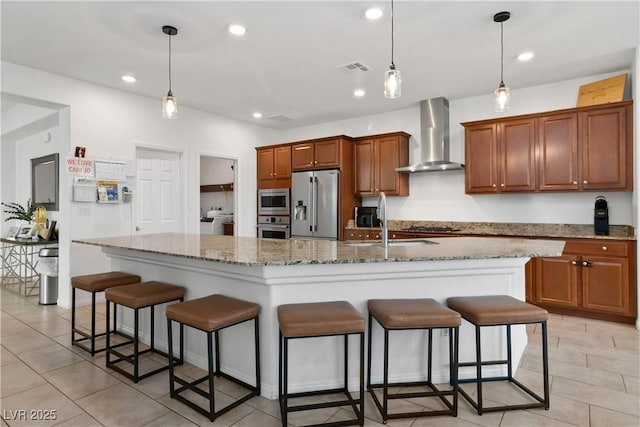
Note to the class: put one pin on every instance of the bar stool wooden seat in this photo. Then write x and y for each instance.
(95, 283)
(137, 297)
(322, 319)
(405, 314)
(501, 310)
(212, 314)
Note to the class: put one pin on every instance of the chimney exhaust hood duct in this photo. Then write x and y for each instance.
(434, 138)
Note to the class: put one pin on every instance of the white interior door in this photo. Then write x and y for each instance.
(158, 202)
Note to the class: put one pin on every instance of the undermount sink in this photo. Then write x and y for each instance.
(396, 243)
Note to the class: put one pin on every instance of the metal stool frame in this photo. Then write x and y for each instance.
(284, 395)
(91, 336)
(385, 385)
(134, 357)
(214, 370)
(543, 402)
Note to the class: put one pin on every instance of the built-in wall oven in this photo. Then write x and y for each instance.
(274, 227)
(274, 201)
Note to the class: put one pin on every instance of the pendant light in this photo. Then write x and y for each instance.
(502, 98)
(392, 79)
(169, 103)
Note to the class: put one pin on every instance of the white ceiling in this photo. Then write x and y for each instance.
(286, 62)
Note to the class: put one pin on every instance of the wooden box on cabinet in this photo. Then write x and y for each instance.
(375, 161)
(593, 278)
(274, 166)
(578, 149)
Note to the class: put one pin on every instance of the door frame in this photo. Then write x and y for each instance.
(236, 186)
(182, 176)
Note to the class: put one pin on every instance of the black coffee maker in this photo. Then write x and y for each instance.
(601, 217)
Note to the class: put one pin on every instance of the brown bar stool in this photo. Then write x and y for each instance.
(405, 314)
(136, 297)
(501, 310)
(211, 314)
(321, 319)
(94, 283)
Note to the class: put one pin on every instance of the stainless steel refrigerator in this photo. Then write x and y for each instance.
(314, 204)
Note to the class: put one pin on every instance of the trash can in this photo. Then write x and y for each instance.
(48, 269)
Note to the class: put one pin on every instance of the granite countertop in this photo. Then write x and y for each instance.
(262, 252)
(565, 231)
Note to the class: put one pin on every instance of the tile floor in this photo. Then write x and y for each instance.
(594, 381)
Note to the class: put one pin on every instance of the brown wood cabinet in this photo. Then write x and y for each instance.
(228, 228)
(319, 154)
(362, 234)
(375, 160)
(500, 157)
(593, 278)
(274, 166)
(579, 149)
(215, 188)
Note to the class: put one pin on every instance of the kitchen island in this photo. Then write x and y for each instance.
(272, 272)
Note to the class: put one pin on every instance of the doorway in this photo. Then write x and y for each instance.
(218, 203)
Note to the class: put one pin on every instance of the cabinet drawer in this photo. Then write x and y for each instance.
(601, 248)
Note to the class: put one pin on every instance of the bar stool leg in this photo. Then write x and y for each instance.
(217, 350)
(257, 344)
(369, 352)
(93, 323)
(170, 353)
(212, 406)
(385, 380)
(429, 354)
(285, 380)
(454, 366)
(108, 337)
(509, 368)
(361, 417)
(136, 349)
(73, 315)
(545, 364)
(478, 370)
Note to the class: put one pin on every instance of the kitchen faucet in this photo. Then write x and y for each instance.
(382, 217)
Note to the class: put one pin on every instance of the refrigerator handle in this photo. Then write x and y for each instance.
(312, 220)
(315, 203)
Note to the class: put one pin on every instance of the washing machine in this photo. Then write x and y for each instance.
(218, 218)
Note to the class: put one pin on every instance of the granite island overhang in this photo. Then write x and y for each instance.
(272, 272)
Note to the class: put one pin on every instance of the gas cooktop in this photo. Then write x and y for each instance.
(425, 229)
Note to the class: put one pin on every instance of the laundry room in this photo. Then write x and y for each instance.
(216, 195)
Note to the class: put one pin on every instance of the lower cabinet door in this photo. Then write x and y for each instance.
(606, 285)
(556, 281)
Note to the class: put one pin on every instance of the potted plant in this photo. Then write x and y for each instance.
(17, 211)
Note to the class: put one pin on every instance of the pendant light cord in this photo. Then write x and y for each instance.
(170, 63)
(392, 64)
(501, 54)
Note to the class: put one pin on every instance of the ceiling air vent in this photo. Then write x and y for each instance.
(280, 118)
(354, 66)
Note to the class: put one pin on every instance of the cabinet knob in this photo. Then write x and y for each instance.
(367, 236)
(393, 236)
(604, 248)
(586, 264)
(493, 185)
(575, 182)
(585, 182)
(574, 262)
(501, 185)
(315, 163)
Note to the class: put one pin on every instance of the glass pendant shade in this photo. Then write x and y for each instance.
(392, 83)
(169, 106)
(502, 98)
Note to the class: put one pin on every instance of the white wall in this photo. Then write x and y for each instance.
(440, 195)
(110, 123)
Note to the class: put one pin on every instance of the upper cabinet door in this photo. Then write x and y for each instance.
(282, 162)
(558, 152)
(481, 158)
(302, 156)
(606, 155)
(364, 167)
(387, 159)
(326, 154)
(265, 163)
(517, 156)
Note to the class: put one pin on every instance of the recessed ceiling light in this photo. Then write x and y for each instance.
(359, 93)
(129, 79)
(525, 56)
(237, 30)
(373, 13)
(257, 115)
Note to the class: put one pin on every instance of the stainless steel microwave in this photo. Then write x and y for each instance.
(273, 201)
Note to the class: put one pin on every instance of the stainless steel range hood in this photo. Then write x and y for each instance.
(434, 138)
